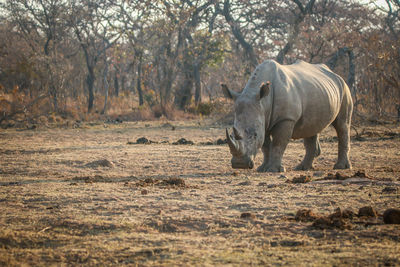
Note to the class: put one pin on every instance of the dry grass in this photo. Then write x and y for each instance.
(163, 204)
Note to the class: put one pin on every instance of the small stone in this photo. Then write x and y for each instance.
(143, 140)
(175, 181)
(305, 215)
(318, 174)
(389, 190)
(100, 163)
(301, 179)
(330, 223)
(367, 211)
(345, 214)
(183, 141)
(144, 192)
(221, 141)
(247, 215)
(361, 174)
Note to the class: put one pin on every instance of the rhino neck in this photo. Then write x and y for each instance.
(267, 104)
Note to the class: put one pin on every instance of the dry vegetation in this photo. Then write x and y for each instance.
(90, 195)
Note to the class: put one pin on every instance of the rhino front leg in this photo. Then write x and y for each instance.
(313, 150)
(265, 150)
(281, 134)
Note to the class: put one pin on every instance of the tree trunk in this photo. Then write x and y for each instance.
(184, 94)
(226, 12)
(294, 33)
(105, 84)
(197, 84)
(90, 83)
(53, 94)
(139, 81)
(116, 85)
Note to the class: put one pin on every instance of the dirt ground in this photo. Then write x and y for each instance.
(91, 195)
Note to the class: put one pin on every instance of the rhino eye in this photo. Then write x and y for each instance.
(251, 132)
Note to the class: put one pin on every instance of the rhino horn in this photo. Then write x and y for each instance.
(236, 134)
(233, 147)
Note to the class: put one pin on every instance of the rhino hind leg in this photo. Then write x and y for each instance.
(313, 150)
(342, 127)
(343, 132)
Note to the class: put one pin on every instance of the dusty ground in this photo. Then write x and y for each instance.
(91, 196)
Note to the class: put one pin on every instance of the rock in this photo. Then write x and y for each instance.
(367, 211)
(175, 181)
(291, 243)
(322, 223)
(306, 215)
(208, 143)
(346, 214)
(361, 174)
(183, 141)
(318, 174)
(149, 181)
(168, 125)
(221, 141)
(391, 216)
(143, 140)
(144, 192)
(301, 179)
(331, 223)
(389, 189)
(100, 163)
(247, 215)
(337, 176)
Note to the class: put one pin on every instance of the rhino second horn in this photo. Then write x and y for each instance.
(236, 134)
(232, 145)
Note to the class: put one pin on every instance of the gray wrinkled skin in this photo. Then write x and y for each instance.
(280, 102)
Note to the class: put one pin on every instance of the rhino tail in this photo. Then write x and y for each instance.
(318, 149)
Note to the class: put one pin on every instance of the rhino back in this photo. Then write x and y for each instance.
(308, 94)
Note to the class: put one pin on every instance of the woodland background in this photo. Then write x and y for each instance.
(142, 60)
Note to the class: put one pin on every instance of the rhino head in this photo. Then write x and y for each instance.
(249, 125)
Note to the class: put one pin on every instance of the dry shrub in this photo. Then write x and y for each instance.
(121, 104)
(208, 108)
(20, 110)
(140, 113)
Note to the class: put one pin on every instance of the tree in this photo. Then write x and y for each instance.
(88, 19)
(41, 24)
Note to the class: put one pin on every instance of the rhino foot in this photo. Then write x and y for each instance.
(303, 167)
(269, 168)
(262, 168)
(342, 165)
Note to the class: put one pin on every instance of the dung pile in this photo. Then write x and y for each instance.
(346, 219)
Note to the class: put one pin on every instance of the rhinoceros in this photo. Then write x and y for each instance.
(281, 102)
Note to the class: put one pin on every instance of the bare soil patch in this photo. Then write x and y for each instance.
(92, 196)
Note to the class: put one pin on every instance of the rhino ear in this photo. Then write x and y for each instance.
(229, 93)
(264, 89)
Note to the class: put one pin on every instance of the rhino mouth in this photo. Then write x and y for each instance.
(241, 163)
(239, 159)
